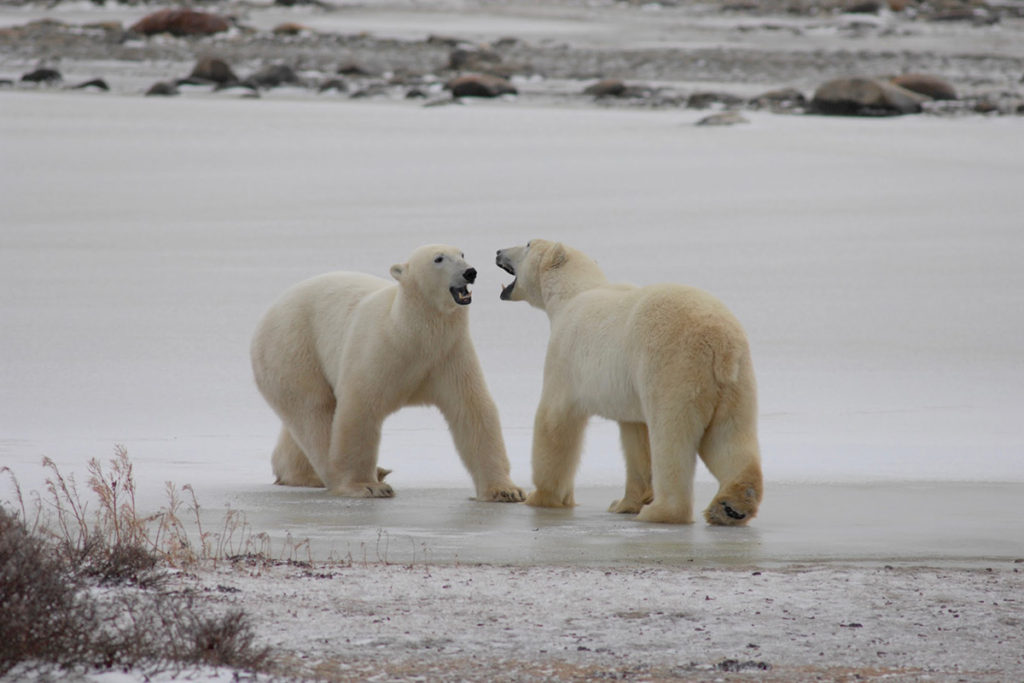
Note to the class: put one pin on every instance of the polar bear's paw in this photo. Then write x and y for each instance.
(367, 489)
(665, 514)
(506, 493)
(730, 510)
(629, 506)
(549, 499)
(737, 503)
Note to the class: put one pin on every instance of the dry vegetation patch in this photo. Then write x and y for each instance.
(82, 591)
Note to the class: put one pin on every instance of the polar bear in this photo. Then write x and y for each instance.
(670, 363)
(336, 354)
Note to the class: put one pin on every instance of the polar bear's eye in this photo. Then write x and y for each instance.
(528, 244)
(439, 259)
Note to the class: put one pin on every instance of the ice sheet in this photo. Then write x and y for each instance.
(875, 264)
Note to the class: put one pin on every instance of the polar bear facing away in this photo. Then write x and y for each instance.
(670, 363)
(338, 353)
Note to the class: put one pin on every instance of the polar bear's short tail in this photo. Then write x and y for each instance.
(726, 358)
(727, 367)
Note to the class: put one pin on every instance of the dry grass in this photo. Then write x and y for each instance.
(83, 590)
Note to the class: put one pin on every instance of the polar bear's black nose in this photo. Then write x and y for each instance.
(470, 275)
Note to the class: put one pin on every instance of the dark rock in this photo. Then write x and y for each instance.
(181, 22)
(724, 118)
(351, 68)
(444, 41)
(213, 70)
(475, 58)
(864, 7)
(162, 88)
(97, 83)
(272, 76)
(335, 84)
(737, 666)
(480, 85)
(415, 94)
(42, 76)
(865, 97)
(6, 82)
(703, 100)
(932, 86)
(785, 99)
(289, 28)
(608, 87)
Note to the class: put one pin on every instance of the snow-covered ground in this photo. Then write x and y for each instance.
(875, 264)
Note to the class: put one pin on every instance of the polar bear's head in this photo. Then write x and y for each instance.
(439, 273)
(546, 271)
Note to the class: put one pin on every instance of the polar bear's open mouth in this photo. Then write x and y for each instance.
(506, 290)
(461, 295)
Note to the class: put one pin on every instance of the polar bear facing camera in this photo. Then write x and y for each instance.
(670, 363)
(336, 354)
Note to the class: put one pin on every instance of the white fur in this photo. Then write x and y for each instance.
(670, 363)
(336, 354)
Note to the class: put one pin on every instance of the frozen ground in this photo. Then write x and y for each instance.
(875, 264)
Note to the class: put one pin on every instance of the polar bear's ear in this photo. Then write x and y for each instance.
(558, 256)
(398, 270)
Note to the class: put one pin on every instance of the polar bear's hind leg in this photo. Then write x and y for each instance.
(290, 464)
(674, 440)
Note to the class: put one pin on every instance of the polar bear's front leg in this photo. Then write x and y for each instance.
(461, 394)
(636, 449)
(557, 444)
(352, 458)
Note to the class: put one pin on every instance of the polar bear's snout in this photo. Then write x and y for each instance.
(504, 262)
(460, 292)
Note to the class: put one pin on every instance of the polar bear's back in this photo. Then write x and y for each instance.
(682, 316)
(307, 324)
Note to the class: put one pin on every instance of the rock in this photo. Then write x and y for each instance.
(214, 70)
(608, 87)
(335, 84)
(351, 68)
(273, 76)
(181, 22)
(444, 41)
(785, 99)
(42, 76)
(863, 7)
(724, 118)
(162, 88)
(475, 58)
(480, 85)
(932, 86)
(703, 100)
(97, 83)
(289, 28)
(865, 97)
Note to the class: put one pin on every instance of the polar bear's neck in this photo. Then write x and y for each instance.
(561, 285)
(410, 311)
